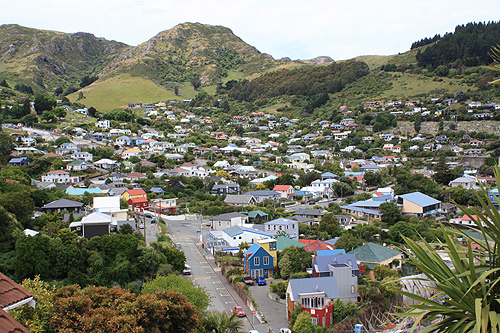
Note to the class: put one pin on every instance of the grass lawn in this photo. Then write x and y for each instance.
(118, 91)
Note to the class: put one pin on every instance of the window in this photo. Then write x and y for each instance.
(353, 289)
(272, 246)
(266, 261)
(256, 261)
(280, 228)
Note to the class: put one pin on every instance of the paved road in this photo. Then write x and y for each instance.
(204, 272)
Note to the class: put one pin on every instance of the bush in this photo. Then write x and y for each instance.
(279, 288)
(300, 275)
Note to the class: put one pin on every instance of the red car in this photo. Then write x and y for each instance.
(239, 311)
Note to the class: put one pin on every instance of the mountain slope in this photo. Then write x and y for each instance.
(190, 50)
(50, 59)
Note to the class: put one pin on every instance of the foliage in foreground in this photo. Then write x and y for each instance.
(467, 291)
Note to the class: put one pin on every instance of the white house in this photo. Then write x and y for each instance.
(82, 155)
(291, 227)
(465, 182)
(60, 177)
(235, 235)
(104, 124)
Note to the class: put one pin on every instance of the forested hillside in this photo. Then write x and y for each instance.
(469, 45)
(307, 81)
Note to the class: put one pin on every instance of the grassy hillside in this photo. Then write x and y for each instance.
(121, 90)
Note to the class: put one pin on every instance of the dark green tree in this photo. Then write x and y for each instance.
(44, 103)
(391, 214)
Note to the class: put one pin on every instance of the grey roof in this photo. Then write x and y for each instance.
(236, 230)
(281, 220)
(322, 262)
(62, 203)
(327, 284)
(310, 212)
(302, 219)
(263, 193)
(238, 199)
(228, 216)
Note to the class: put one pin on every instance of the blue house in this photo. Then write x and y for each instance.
(258, 262)
(19, 161)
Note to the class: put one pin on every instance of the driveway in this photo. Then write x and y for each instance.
(274, 311)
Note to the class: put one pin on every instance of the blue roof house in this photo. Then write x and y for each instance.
(322, 264)
(258, 262)
(19, 161)
(418, 204)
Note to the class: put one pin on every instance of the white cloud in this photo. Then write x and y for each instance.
(298, 29)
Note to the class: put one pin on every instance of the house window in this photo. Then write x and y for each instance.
(315, 321)
(266, 261)
(280, 228)
(272, 246)
(256, 261)
(353, 289)
(240, 237)
(274, 227)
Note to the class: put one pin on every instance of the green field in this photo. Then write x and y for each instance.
(410, 85)
(118, 91)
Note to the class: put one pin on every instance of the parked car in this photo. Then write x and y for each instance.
(261, 281)
(239, 311)
(186, 270)
(149, 215)
(248, 280)
(285, 330)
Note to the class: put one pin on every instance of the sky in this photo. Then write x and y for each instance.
(291, 28)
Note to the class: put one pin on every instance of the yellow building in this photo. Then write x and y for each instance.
(134, 193)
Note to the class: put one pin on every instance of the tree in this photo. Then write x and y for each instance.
(48, 116)
(36, 319)
(417, 125)
(198, 296)
(220, 322)
(390, 213)
(102, 309)
(373, 178)
(466, 290)
(6, 147)
(29, 119)
(442, 173)
(195, 82)
(176, 91)
(44, 103)
(59, 112)
(304, 324)
(294, 260)
(330, 225)
(348, 242)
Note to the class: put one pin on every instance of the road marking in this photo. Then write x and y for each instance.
(224, 295)
(202, 278)
(217, 282)
(229, 302)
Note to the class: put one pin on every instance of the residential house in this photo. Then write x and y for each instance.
(321, 264)
(104, 124)
(368, 214)
(223, 189)
(315, 214)
(227, 220)
(62, 205)
(164, 206)
(107, 164)
(283, 225)
(67, 148)
(78, 165)
(257, 216)
(261, 195)
(257, 262)
(240, 200)
(134, 193)
(131, 152)
(82, 155)
(418, 204)
(60, 177)
(123, 141)
(271, 247)
(19, 161)
(95, 224)
(371, 254)
(286, 191)
(465, 182)
(316, 295)
(236, 235)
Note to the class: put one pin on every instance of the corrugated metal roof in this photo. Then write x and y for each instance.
(327, 284)
(420, 199)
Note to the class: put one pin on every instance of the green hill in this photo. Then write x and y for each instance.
(45, 60)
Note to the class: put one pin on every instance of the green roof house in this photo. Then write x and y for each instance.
(283, 242)
(371, 254)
